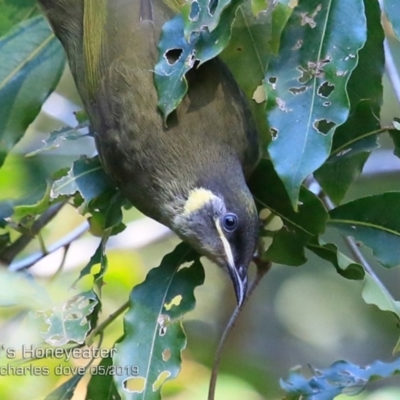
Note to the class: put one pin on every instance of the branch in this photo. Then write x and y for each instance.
(9, 253)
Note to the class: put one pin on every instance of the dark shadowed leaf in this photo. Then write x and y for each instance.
(150, 350)
(374, 221)
(341, 378)
(248, 52)
(356, 134)
(101, 385)
(31, 61)
(298, 227)
(66, 390)
(306, 85)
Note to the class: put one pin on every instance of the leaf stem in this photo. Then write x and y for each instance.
(262, 268)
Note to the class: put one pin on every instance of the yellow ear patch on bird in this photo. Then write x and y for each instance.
(197, 199)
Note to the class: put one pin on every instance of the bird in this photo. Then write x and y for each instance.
(189, 173)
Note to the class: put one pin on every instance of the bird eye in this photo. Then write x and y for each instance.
(230, 222)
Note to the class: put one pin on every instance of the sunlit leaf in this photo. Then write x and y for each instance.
(306, 85)
(150, 350)
(374, 221)
(377, 294)
(31, 63)
(68, 322)
(343, 264)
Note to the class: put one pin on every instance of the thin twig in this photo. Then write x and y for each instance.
(356, 251)
(9, 253)
(262, 268)
(63, 242)
(101, 327)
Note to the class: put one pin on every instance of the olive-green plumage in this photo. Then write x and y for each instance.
(189, 175)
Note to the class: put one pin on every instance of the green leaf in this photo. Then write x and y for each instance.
(247, 56)
(55, 138)
(201, 15)
(31, 61)
(343, 264)
(393, 15)
(68, 322)
(150, 350)
(13, 12)
(86, 176)
(374, 293)
(98, 258)
(358, 133)
(306, 85)
(101, 385)
(177, 56)
(37, 208)
(298, 227)
(374, 221)
(341, 377)
(66, 390)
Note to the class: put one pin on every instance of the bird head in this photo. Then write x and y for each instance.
(224, 229)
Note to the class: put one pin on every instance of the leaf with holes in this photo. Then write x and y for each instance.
(177, 56)
(374, 221)
(202, 15)
(341, 377)
(392, 12)
(150, 351)
(298, 227)
(306, 85)
(354, 139)
(68, 322)
(343, 264)
(86, 176)
(31, 61)
(248, 52)
(55, 138)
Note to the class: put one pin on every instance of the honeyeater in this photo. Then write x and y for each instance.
(188, 173)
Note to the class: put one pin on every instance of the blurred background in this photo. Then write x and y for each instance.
(297, 316)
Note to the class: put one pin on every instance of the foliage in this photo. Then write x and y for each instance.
(303, 69)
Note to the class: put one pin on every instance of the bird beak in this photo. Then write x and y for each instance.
(239, 279)
(238, 274)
